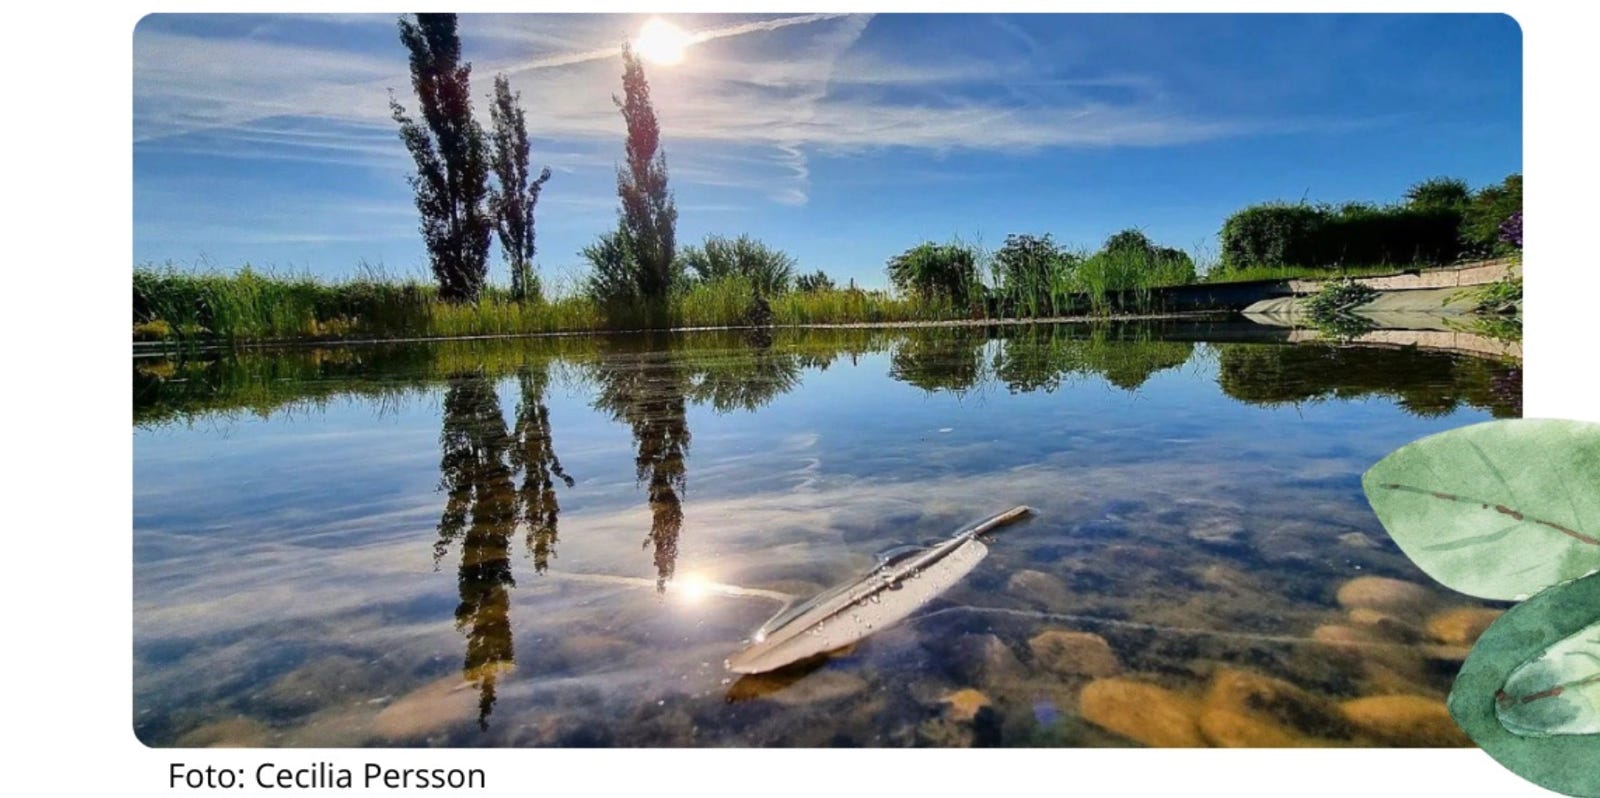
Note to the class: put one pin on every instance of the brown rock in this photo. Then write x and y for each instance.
(1461, 626)
(1384, 625)
(1144, 713)
(1406, 721)
(1040, 588)
(1277, 703)
(1227, 729)
(964, 704)
(429, 708)
(1390, 596)
(984, 659)
(235, 732)
(1074, 654)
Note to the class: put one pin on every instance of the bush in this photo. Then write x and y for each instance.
(1353, 235)
(1033, 275)
(770, 270)
(814, 282)
(1490, 208)
(938, 272)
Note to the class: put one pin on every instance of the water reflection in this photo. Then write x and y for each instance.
(1172, 504)
(648, 392)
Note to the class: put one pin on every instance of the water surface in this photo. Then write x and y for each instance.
(557, 541)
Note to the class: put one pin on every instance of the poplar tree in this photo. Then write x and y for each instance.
(514, 198)
(648, 215)
(451, 181)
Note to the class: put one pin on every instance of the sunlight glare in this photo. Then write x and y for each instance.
(662, 42)
(692, 588)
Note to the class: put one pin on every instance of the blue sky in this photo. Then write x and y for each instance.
(843, 139)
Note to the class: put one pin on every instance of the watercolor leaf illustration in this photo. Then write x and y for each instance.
(1499, 510)
(1529, 693)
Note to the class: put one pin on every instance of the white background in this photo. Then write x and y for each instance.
(67, 662)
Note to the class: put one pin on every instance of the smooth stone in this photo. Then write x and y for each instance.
(984, 659)
(1224, 578)
(429, 708)
(1144, 713)
(1276, 703)
(1410, 721)
(1358, 540)
(1040, 587)
(1384, 625)
(235, 732)
(963, 705)
(1074, 654)
(1227, 729)
(1220, 531)
(1461, 626)
(826, 685)
(1391, 596)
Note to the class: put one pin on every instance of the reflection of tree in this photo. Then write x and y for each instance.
(746, 379)
(481, 511)
(1423, 383)
(1039, 358)
(940, 358)
(533, 453)
(647, 392)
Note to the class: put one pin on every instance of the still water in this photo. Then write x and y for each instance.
(558, 541)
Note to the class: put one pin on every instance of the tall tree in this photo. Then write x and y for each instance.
(516, 195)
(452, 175)
(649, 217)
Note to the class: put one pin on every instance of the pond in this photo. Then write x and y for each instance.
(558, 541)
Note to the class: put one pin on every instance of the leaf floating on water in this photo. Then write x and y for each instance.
(1557, 693)
(1499, 510)
(1526, 693)
(839, 617)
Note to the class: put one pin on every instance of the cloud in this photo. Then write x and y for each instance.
(770, 91)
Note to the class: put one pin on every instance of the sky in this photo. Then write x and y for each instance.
(841, 139)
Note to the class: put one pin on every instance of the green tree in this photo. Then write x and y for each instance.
(937, 271)
(769, 270)
(517, 194)
(447, 146)
(1439, 193)
(648, 215)
(814, 282)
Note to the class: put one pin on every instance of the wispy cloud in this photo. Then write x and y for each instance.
(772, 91)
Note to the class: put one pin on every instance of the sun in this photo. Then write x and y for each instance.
(662, 42)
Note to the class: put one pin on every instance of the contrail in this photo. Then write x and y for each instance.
(695, 37)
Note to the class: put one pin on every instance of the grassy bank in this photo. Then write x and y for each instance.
(251, 306)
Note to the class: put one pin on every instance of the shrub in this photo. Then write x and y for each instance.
(1490, 208)
(938, 271)
(1355, 234)
(770, 270)
(1439, 193)
(814, 282)
(1033, 275)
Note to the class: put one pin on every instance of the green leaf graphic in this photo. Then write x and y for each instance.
(1557, 693)
(1525, 694)
(1499, 510)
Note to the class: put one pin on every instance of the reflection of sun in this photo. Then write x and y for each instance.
(693, 587)
(662, 42)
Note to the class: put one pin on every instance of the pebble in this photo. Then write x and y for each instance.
(1409, 721)
(1390, 596)
(1461, 626)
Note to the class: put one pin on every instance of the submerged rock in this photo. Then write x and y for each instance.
(984, 659)
(1406, 721)
(1461, 626)
(1390, 596)
(1074, 654)
(235, 732)
(1384, 625)
(963, 705)
(1144, 713)
(1039, 588)
(1218, 531)
(430, 708)
(1275, 703)
(1227, 729)
(825, 685)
